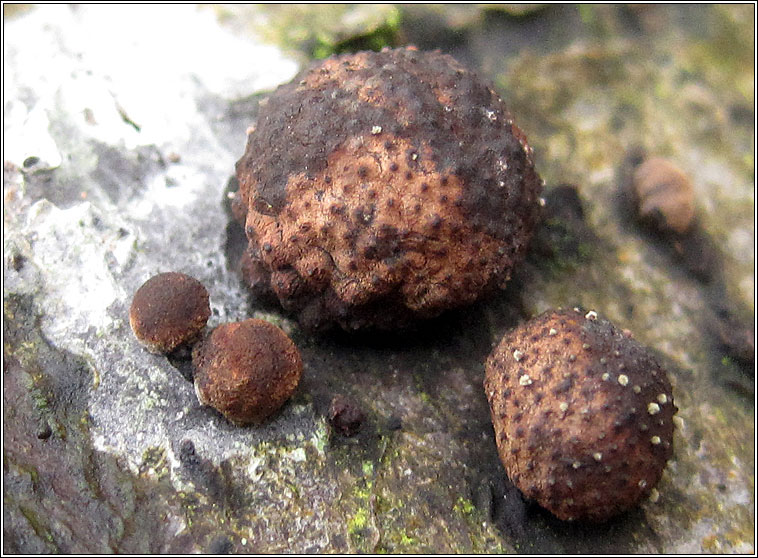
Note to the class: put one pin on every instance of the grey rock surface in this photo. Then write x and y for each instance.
(122, 127)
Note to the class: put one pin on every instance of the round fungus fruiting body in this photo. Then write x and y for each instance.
(377, 188)
(169, 310)
(591, 431)
(246, 370)
(345, 416)
(664, 195)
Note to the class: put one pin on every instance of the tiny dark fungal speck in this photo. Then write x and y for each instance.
(44, 431)
(17, 261)
(220, 545)
(345, 416)
(394, 423)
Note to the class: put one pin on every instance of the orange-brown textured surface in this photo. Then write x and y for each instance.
(246, 370)
(381, 187)
(169, 310)
(583, 414)
(664, 195)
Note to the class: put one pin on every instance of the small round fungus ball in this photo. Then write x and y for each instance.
(664, 195)
(246, 370)
(583, 414)
(381, 187)
(169, 310)
(345, 416)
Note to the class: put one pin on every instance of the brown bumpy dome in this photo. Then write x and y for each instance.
(246, 370)
(380, 187)
(169, 310)
(583, 414)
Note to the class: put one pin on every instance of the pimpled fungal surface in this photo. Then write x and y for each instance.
(246, 370)
(169, 310)
(587, 438)
(377, 188)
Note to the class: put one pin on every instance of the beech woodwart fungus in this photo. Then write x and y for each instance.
(246, 370)
(583, 414)
(169, 310)
(380, 187)
(664, 195)
(345, 416)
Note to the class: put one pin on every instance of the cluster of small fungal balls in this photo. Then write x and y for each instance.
(379, 188)
(246, 370)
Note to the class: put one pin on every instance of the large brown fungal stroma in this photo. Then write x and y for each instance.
(246, 370)
(583, 414)
(381, 187)
(169, 310)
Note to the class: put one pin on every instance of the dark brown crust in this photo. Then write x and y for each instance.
(246, 370)
(583, 414)
(345, 416)
(169, 310)
(381, 187)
